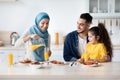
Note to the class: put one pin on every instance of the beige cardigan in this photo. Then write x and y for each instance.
(20, 42)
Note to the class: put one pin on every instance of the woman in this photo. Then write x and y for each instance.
(37, 34)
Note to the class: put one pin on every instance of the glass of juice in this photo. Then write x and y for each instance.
(46, 54)
(10, 59)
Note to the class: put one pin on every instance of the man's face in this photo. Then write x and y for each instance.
(82, 26)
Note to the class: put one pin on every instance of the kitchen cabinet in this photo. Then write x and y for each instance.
(18, 54)
(57, 55)
(104, 8)
(57, 52)
(116, 56)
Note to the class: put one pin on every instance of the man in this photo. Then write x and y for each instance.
(75, 41)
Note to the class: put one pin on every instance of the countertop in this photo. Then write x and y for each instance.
(109, 71)
(9, 47)
(53, 47)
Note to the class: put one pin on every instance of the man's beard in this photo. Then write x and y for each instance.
(80, 32)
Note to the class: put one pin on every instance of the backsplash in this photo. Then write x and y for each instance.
(113, 27)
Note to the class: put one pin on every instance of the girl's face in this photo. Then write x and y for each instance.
(43, 24)
(92, 38)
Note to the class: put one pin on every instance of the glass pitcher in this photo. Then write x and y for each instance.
(36, 43)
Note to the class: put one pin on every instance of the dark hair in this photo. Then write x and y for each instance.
(101, 31)
(87, 17)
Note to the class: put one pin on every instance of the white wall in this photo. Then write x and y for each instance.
(17, 16)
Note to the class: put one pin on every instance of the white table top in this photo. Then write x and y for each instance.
(110, 70)
(53, 47)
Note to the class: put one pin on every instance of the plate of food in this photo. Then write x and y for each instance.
(36, 65)
(58, 62)
(92, 63)
(25, 62)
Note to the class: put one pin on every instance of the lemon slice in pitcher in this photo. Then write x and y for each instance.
(35, 46)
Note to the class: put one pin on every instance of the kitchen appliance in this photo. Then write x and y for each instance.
(1, 43)
(13, 38)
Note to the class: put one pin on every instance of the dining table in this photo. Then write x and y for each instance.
(69, 71)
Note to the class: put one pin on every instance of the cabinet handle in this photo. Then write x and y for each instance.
(104, 22)
(111, 23)
(116, 22)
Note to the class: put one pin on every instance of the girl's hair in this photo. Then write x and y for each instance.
(101, 31)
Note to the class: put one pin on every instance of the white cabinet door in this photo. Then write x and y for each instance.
(116, 55)
(57, 55)
(98, 6)
(3, 57)
(104, 8)
(17, 55)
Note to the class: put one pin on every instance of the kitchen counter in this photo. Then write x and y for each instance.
(53, 47)
(9, 47)
(109, 71)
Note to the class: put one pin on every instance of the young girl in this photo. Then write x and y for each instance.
(99, 45)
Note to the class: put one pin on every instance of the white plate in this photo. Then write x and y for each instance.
(94, 65)
(35, 66)
(23, 63)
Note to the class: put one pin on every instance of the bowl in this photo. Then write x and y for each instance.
(36, 65)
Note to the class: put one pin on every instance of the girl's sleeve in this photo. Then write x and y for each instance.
(103, 51)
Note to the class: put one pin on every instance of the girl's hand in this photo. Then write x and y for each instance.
(49, 52)
(80, 60)
(35, 36)
(106, 58)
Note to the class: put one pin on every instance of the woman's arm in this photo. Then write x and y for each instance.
(49, 42)
(21, 40)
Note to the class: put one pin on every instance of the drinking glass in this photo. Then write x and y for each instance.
(46, 54)
(10, 59)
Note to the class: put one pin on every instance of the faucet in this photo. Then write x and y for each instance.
(13, 38)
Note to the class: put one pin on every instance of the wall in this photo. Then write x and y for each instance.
(19, 15)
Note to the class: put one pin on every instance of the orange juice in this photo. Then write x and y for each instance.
(10, 58)
(63, 39)
(46, 56)
(56, 38)
(34, 47)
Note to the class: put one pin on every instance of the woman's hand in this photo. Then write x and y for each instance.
(49, 52)
(35, 36)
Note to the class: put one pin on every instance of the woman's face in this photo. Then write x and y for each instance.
(43, 24)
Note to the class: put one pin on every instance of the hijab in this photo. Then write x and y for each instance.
(35, 29)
